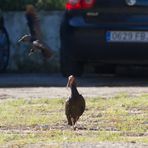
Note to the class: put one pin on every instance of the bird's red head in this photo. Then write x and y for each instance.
(71, 81)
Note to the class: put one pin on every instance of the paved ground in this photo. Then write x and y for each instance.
(54, 85)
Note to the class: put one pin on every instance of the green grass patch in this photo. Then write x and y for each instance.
(121, 118)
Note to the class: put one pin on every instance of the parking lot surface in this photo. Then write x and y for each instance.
(54, 86)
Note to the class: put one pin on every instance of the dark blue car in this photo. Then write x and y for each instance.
(106, 33)
(4, 45)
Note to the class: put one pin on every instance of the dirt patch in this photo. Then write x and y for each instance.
(86, 145)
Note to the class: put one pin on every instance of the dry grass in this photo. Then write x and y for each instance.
(121, 118)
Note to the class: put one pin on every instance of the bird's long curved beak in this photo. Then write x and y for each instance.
(25, 38)
(68, 84)
(19, 40)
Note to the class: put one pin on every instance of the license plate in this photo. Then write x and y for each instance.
(127, 36)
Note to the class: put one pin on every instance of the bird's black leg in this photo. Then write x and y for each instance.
(73, 124)
(69, 120)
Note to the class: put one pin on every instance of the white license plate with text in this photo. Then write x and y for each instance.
(127, 36)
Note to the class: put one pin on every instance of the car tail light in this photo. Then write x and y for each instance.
(79, 4)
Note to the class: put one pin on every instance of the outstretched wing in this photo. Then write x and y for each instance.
(33, 22)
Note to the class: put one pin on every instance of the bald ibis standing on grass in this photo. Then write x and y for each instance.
(75, 104)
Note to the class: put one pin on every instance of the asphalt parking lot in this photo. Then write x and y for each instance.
(57, 80)
(54, 86)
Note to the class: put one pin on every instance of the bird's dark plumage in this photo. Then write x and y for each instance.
(35, 37)
(75, 104)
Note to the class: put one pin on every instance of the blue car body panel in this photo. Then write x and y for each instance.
(85, 34)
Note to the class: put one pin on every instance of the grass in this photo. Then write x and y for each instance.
(121, 118)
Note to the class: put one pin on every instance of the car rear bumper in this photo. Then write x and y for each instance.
(89, 43)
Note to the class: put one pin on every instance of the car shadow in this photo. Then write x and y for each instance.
(57, 80)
